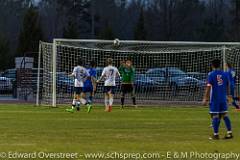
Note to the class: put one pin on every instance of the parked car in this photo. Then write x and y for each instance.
(5, 85)
(144, 83)
(174, 78)
(10, 73)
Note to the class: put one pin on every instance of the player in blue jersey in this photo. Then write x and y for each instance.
(89, 85)
(232, 82)
(216, 91)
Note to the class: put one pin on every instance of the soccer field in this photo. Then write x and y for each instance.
(25, 128)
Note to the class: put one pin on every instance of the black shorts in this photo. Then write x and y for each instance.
(78, 90)
(108, 89)
(127, 88)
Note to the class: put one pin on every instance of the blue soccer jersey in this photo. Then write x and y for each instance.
(92, 73)
(218, 80)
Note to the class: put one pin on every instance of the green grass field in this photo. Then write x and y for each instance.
(25, 128)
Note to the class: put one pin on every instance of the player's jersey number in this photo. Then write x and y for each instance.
(219, 80)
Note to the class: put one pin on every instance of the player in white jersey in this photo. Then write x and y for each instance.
(80, 75)
(109, 74)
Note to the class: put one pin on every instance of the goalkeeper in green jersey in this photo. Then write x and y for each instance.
(127, 72)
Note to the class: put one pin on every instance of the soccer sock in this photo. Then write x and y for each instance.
(215, 123)
(134, 100)
(122, 100)
(78, 104)
(111, 101)
(106, 102)
(227, 123)
(74, 103)
(90, 99)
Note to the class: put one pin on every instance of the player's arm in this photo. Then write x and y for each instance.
(121, 68)
(133, 75)
(206, 95)
(208, 90)
(102, 76)
(87, 75)
(73, 74)
(118, 74)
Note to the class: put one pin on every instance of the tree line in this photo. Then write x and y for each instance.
(24, 22)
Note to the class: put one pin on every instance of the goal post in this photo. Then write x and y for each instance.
(38, 73)
(54, 81)
(171, 71)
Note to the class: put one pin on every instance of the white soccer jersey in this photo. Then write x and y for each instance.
(110, 73)
(80, 74)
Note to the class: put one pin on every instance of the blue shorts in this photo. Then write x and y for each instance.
(78, 90)
(218, 107)
(87, 89)
(108, 89)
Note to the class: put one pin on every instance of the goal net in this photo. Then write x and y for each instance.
(165, 71)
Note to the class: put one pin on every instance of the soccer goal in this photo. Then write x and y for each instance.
(165, 71)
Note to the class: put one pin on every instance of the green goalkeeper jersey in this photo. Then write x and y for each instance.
(127, 74)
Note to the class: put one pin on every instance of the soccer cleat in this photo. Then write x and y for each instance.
(136, 106)
(228, 136)
(70, 110)
(122, 107)
(78, 108)
(89, 108)
(214, 137)
(110, 109)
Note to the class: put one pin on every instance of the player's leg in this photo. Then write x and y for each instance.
(78, 102)
(122, 99)
(211, 116)
(90, 98)
(111, 96)
(87, 101)
(232, 92)
(123, 95)
(214, 111)
(106, 98)
(82, 97)
(91, 94)
(133, 95)
(75, 99)
(228, 125)
(90, 101)
(224, 116)
(215, 125)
